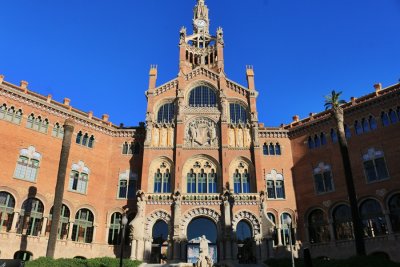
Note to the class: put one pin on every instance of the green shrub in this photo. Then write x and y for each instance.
(369, 261)
(96, 262)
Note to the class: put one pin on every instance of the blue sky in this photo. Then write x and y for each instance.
(98, 52)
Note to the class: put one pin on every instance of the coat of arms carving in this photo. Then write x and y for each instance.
(201, 132)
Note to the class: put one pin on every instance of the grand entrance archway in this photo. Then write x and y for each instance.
(198, 227)
(159, 245)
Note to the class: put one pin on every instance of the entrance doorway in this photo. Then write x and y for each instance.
(245, 243)
(159, 247)
(197, 228)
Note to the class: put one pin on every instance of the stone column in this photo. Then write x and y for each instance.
(59, 190)
(278, 232)
(140, 250)
(44, 225)
(70, 228)
(176, 226)
(133, 249)
(331, 231)
(14, 222)
(147, 247)
(389, 224)
(176, 255)
(228, 249)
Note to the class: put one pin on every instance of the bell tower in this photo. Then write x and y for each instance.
(201, 48)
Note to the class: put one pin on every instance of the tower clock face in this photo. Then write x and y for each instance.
(200, 23)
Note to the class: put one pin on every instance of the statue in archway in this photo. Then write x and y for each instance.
(204, 258)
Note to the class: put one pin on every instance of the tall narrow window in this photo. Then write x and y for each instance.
(202, 182)
(30, 220)
(384, 119)
(375, 165)
(392, 116)
(127, 184)
(372, 123)
(237, 185)
(157, 181)
(241, 178)
(347, 132)
(28, 164)
(91, 141)
(317, 142)
(323, 139)
(114, 229)
(310, 143)
(166, 181)
(246, 182)
(3, 111)
(212, 182)
(29, 121)
(334, 136)
(272, 219)
(125, 147)
(7, 205)
(365, 125)
(278, 149)
(285, 231)
(265, 149)
(358, 128)
(323, 178)
(162, 178)
(79, 137)
(191, 182)
(82, 230)
(79, 178)
(85, 139)
(271, 149)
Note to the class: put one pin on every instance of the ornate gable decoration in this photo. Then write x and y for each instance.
(201, 133)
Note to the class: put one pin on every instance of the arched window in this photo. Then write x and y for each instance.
(392, 116)
(79, 137)
(241, 179)
(317, 142)
(191, 182)
(85, 139)
(125, 148)
(372, 123)
(384, 119)
(278, 149)
(275, 185)
(127, 184)
(30, 219)
(62, 232)
(202, 96)
(323, 178)
(271, 149)
(3, 111)
(30, 120)
(310, 143)
(358, 128)
(394, 209)
(318, 227)
(238, 113)
(28, 164)
(166, 113)
(58, 131)
(342, 222)
(114, 229)
(372, 218)
(334, 136)
(265, 149)
(323, 139)
(374, 165)
(365, 125)
(91, 141)
(162, 177)
(287, 229)
(271, 217)
(82, 230)
(202, 177)
(212, 182)
(7, 205)
(347, 132)
(79, 177)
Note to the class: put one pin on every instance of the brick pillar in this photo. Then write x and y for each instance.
(59, 191)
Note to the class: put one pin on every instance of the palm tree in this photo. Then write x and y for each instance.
(59, 190)
(333, 102)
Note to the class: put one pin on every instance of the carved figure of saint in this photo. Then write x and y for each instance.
(213, 134)
(239, 141)
(163, 136)
(231, 137)
(170, 136)
(192, 133)
(156, 136)
(248, 137)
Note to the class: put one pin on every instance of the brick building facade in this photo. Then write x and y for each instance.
(202, 153)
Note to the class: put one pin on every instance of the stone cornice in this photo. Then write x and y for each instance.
(356, 105)
(272, 133)
(51, 106)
